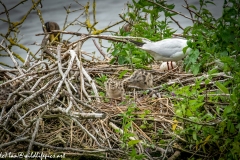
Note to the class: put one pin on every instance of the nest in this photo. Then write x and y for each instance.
(56, 106)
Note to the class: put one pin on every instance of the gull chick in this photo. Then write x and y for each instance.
(170, 49)
(114, 89)
(52, 26)
(140, 78)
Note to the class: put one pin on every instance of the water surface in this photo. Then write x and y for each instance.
(107, 13)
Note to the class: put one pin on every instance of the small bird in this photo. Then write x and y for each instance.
(52, 26)
(127, 27)
(114, 88)
(170, 49)
(139, 78)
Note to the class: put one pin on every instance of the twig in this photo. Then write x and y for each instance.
(177, 23)
(15, 107)
(100, 50)
(189, 10)
(86, 131)
(179, 13)
(82, 88)
(64, 75)
(85, 105)
(170, 144)
(14, 141)
(175, 155)
(105, 133)
(43, 78)
(88, 77)
(214, 123)
(13, 6)
(14, 61)
(86, 150)
(34, 135)
(87, 36)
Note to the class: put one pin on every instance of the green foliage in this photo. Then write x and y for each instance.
(139, 13)
(224, 134)
(128, 54)
(219, 39)
(214, 38)
(129, 145)
(146, 124)
(100, 80)
(215, 48)
(191, 102)
(122, 73)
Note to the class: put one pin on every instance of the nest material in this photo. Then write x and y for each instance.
(54, 106)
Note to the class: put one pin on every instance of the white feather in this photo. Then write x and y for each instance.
(167, 50)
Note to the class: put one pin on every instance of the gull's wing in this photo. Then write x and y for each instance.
(166, 49)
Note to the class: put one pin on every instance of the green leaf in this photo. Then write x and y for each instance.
(122, 59)
(192, 6)
(136, 60)
(212, 71)
(143, 126)
(112, 60)
(179, 112)
(195, 104)
(132, 15)
(162, 141)
(144, 3)
(171, 6)
(222, 87)
(223, 54)
(147, 10)
(183, 109)
(194, 134)
(129, 124)
(188, 113)
(122, 73)
(133, 142)
(207, 81)
(226, 36)
(195, 68)
(227, 110)
(101, 94)
(147, 111)
(210, 2)
(115, 52)
(230, 127)
(238, 126)
(195, 54)
(170, 14)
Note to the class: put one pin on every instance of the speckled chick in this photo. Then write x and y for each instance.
(140, 78)
(114, 88)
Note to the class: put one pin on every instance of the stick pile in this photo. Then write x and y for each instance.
(56, 106)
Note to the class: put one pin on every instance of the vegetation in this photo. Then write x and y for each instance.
(200, 115)
(215, 48)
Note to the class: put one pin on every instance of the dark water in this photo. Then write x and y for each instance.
(53, 10)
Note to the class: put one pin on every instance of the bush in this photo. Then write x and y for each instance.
(211, 122)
